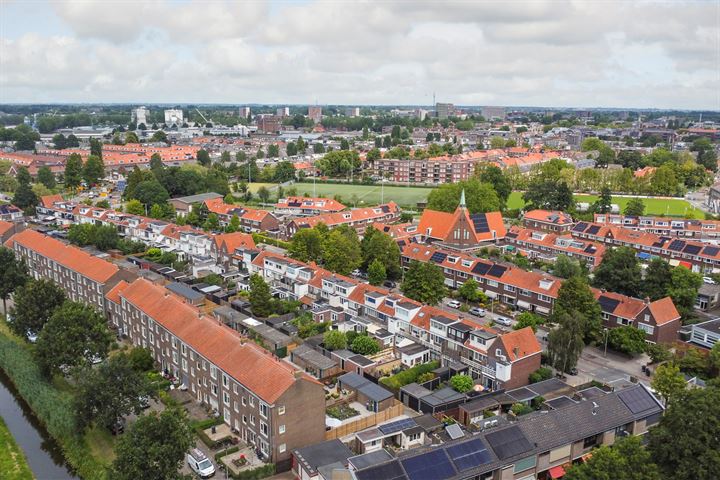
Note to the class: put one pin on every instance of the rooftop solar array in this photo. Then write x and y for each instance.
(454, 431)
(676, 245)
(480, 223)
(481, 268)
(397, 426)
(497, 271)
(593, 230)
(711, 251)
(469, 454)
(590, 249)
(637, 400)
(692, 249)
(508, 442)
(608, 304)
(386, 471)
(659, 243)
(433, 465)
(580, 227)
(438, 257)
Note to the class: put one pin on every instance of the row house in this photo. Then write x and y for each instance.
(539, 446)
(695, 255)
(307, 206)
(356, 218)
(272, 405)
(548, 220)
(10, 213)
(8, 229)
(660, 320)
(83, 277)
(499, 360)
(547, 246)
(510, 285)
(664, 226)
(251, 219)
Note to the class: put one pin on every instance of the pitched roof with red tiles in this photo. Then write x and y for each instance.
(233, 241)
(67, 255)
(664, 311)
(439, 225)
(549, 216)
(48, 201)
(251, 365)
(354, 215)
(5, 226)
(114, 294)
(218, 206)
(311, 203)
(519, 344)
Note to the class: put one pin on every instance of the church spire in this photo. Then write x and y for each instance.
(462, 199)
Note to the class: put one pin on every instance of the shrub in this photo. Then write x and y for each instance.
(256, 473)
(520, 409)
(410, 375)
(461, 383)
(223, 453)
(542, 373)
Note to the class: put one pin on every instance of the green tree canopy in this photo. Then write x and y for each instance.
(668, 381)
(13, 274)
(461, 383)
(306, 245)
(619, 272)
(365, 345)
(93, 170)
(657, 279)
(377, 245)
(635, 207)
(376, 272)
(424, 282)
(260, 298)
(341, 250)
(46, 177)
(73, 171)
(627, 339)
(203, 157)
(683, 289)
(469, 290)
(566, 267)
(480, 197)
(627, 459)
(34, 303)
(334, 340)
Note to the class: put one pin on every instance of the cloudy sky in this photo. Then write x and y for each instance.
(583, 53)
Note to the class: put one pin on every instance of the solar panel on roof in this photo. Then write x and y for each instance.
(712, 251)
(470, 454)
(438, 257)
(659, 243)
(508, 442)
(637, 399)
(480, 223)
(388, 471)
(692, 249)
(481, 268)
(590, 249)
(608, 304)
(454, 431)
(593, 230)
(433, 465)
(580, 227)
(397, 426)
(676, 245)
(497, 271)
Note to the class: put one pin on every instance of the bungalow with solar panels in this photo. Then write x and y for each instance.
(461, 230)
(537, 445)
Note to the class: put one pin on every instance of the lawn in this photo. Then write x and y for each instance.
(367, 194)
(13, 464)
(653, 206)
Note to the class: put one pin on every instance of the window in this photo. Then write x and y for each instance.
(213, 372)
(525, 463)
(243, 401)
(649, 329)
(263, 409)
(591, 441)
(245, 419)
(264, 428)
(281, 448)
(252, 419)
(281, 410)
(281, 429)
(235, 388)
(236, 407)
(226, 398)
(252, 401)
(225, 380)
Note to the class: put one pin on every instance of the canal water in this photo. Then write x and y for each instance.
(43, 454)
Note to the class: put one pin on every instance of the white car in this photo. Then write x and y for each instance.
(453, 304)
(504, 321)
(709, 281)
(200, 464)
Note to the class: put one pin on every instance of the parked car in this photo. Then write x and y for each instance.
(504, 321)
(453, 304)
(200, 464)
(118, 427)
(389, 284)
(709, 281)
(478, 312)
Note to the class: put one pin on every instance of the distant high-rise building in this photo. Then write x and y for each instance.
(315, 114)
(444, 110)
(269, 123)
(421, 114)
(139, 115)
(493, 112)
(352, 112)
(174, 117)
(244, 112)
(283, 112)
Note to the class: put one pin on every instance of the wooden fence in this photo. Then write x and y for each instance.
(365, 422)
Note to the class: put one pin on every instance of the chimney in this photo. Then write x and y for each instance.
(516, 351)
(647, 300)
(595, 408)
(298, 374)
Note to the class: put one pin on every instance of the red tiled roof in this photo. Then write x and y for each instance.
(549, 216)
(350, 216)
(114, 293)
(67, 255)
(314, 203)
(664, 311)
(47, 201)
(523, 340)
(251, 365)
(5, 226)
(234, 240)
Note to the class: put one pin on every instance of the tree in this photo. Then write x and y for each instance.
(565, 343)
(619, 272)
(683, 289)
(334, 340)
(75, 336)
(341, 251)
(134, 207)
(684, 444)
(93, 170)
(73, 171)
(159, 136)
(627, 339)
(566, 267)
(376, 272)
(493, 175)
(424, 282)
(154, 447)
(575, 297)
(46, 177)
(365, 345)
(13, 275)
(263, 194)
(528, 319)
(306, 245)
(141, 360)
(604, 201)
(156, 164)
(657, 279)
(627, 459)
(24, 196)
(480, 197)
(377, 245)
(151, 192)
(339, 163)
(234, 225)
(59, 141)
(34, 303)
(635, 207)
(284, 172)
(461, 383)
(203, 157)
(212, 223)
(668, 381)
(114, 389)
(291, 149)
(469, 290)
(96, 147)
(260, 298)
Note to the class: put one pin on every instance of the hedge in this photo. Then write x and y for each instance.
(53, 408)
(255, 474)
(410, 375)
(224, 453)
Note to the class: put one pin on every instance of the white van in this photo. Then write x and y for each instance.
(200, 464)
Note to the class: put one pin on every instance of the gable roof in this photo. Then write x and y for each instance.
(664, 311)
(233, 241)
(523, 340)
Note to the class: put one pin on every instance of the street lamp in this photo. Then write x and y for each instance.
(605, 330)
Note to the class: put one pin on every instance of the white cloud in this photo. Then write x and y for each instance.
(554, 53)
